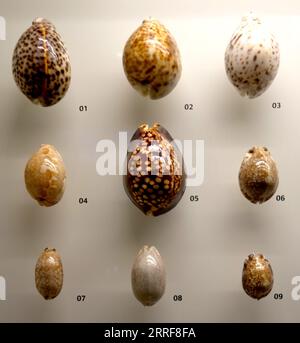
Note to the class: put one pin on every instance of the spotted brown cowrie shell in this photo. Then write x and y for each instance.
(257, 276)
(151, 60)
(252, 57)
(41, 65)
(258, 175)
(155, 178)
(45, 176)
(148, 276)
(49, 274)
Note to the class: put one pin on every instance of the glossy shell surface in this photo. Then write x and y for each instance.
(155, 180)
(41, 64)
(148, 276)
(151, 60)
(45, 176)
(257, 276)
(258, 176)
(252, 57)
(49, 274)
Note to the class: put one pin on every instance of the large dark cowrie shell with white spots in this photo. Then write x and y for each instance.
(155, 178)
(41, 65)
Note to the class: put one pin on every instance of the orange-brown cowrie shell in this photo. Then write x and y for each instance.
(257, 276)
(155, 179)
(151, 60)
(45, 176)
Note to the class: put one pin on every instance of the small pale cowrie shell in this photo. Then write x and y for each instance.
(148, 276)
(41, 64)
(151, 60)
(49, 274)
(258, 176)
(257, 276)
(45, 176)
(155, 178)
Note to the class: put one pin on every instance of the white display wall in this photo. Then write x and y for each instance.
(203, 243)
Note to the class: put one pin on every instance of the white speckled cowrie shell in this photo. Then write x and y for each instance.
(252, 57)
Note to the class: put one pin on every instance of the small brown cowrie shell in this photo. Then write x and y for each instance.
(41, 64)
(148, 276)
(49, 274)
(155, 178)
(257, 276)
(258, 176)
(45, 176)
(151, 60)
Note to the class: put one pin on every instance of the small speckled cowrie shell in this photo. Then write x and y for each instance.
(45, 176)
(257, 276)
(41, 64)
(155, 178)
(151, 60)
(148, 276)
(49, 274)
(252, 57)
(258, 176)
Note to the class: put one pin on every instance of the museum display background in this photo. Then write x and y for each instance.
(203, 243)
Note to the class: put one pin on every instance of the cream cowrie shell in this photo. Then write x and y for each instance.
(148, 276)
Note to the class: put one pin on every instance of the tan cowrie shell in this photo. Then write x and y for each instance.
(45, 176)
(49, 274)
(258, 176)
(151, 60)
(257, 276)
